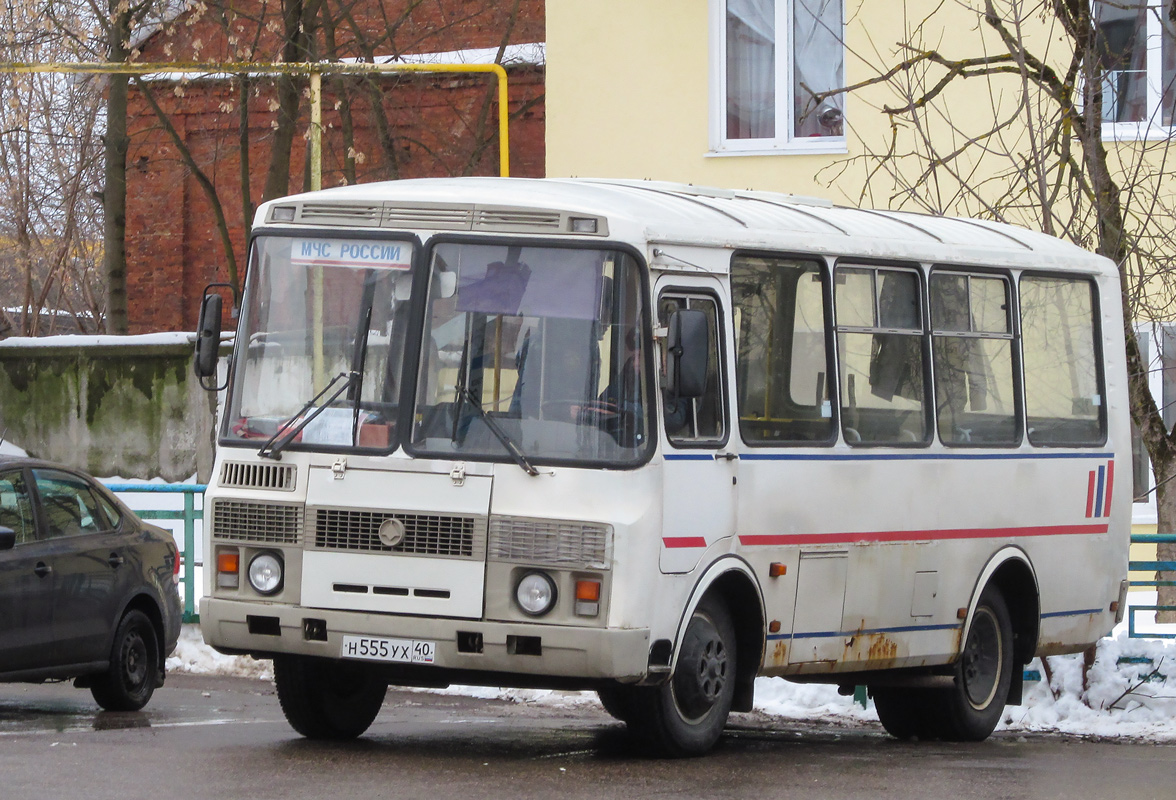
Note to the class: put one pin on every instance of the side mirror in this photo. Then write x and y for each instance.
(444, 284)
(688, 344)
(208, 333)
(7, 538)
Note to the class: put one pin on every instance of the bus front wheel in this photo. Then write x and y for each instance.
(325, 699)
(686, 716)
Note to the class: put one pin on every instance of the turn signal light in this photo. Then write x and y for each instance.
(588, 590)
(228, 568)
(587, 598)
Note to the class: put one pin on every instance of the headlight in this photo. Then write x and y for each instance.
(535, 593)
(265, 573)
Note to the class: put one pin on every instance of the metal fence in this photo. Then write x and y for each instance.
(190, 514)
(1150, 566)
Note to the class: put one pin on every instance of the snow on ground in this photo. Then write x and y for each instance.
(1132, 699)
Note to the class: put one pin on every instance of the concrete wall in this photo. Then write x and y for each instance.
(113, 406)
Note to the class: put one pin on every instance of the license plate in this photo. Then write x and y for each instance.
(401, 651)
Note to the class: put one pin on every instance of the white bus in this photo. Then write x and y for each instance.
(655, 440)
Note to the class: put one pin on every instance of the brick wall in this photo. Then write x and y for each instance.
(174, 247)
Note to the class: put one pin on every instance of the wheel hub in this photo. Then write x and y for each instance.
(702, 672)
(981, 659)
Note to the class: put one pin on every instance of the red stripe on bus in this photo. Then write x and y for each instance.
(1090, 495)
(915, 536)
(1110, 485)
(684, 541)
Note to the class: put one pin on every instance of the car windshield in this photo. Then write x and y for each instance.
(534, 352)
(322, 343)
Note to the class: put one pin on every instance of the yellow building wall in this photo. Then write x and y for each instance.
(628, 96)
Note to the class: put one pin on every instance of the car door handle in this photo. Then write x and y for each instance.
(115, 560)
(42, 569)
(726, 456)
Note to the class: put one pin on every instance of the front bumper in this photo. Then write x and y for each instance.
(562, 653)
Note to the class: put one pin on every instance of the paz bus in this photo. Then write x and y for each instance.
(656, 440)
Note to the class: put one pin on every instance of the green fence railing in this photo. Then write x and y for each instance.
(189, 514)
(1150, 566)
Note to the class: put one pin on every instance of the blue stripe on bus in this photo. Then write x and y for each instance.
(903, 456)
(1098, 492)
(912, 628)
(831, 634)
(1079, 613)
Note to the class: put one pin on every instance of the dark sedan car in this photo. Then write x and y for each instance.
(87, 589)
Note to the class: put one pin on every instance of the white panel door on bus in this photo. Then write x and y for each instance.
(699, 490)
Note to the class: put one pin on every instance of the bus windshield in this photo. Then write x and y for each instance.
(533, 353)
(322, 345)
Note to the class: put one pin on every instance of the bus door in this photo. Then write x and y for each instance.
(700, 470)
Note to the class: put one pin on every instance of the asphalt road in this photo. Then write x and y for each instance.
(226, 738)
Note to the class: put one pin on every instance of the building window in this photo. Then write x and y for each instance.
(1137, 57)
(771, 59)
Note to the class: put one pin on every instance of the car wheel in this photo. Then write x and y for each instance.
(130, 680)
(325, 699)
(686, 716)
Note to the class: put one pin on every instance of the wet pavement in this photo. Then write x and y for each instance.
(226, 738)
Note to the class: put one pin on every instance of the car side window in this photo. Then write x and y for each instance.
(16, 507)
(69, 506)
(113, 515)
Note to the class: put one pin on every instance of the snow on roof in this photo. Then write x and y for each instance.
(81, 340)
(515, 55)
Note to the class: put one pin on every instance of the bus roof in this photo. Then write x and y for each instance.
(647, 213)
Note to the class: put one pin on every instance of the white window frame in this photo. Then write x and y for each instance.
(1146, 129)
(785, 144)
(1143, 512)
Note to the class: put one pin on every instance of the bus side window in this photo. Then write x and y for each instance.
(702, 418)
(781, 361)
(972, 352)
(881, 349)
(1063, 375)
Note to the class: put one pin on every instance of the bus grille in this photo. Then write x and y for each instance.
(550, 541)
(240, 475)
(424, 534)
(272, 523)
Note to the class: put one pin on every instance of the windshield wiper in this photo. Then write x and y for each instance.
(498, 432)
(273, 448)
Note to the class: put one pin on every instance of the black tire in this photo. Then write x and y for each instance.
(686, 716)
(619, 701)
(910, 713)
(133, 674)
(325, 699)
(969, 711)
(983, 673)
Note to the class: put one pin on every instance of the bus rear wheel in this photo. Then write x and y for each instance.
(325, 699)
(970, 709)
(984, 672)
(686, 716)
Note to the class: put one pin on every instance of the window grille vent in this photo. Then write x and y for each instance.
(449, 218)
(239, 475)
(269, 523)
(551, 541)
(330, 214)
(423, 534)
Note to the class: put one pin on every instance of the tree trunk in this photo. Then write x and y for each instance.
(1165, 473)
(114, 203)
